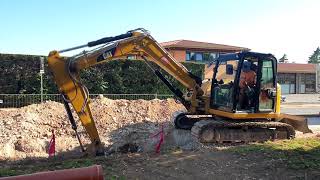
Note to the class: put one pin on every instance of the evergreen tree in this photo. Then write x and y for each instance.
(284, 59)
(315, 57)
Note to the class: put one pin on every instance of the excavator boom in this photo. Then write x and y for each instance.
(138, 42)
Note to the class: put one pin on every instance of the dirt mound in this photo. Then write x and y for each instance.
(25, 132)
(123, 125)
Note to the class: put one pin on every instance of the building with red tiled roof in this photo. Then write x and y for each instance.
(187, 50)
(200, 46)
(297, 78)
(294, 78)
(200, 52)
(296, 68)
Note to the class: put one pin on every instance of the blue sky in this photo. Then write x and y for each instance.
(273, 26)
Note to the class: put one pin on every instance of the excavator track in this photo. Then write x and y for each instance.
(225, 131)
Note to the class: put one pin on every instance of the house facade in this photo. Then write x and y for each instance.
(297, 78)
(199, 52)
(195, 51)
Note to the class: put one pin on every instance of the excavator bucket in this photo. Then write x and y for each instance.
(299, 123)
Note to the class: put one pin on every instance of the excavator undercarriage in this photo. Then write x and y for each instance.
(213, 129)
(221, 131)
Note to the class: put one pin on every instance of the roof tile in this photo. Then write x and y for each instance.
(188, 44)
(296, 68)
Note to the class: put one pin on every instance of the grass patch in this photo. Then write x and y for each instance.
(76, 163)
(303, 153)
(8, 172)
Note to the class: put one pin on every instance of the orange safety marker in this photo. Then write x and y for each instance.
(161, 133)
(52, 145)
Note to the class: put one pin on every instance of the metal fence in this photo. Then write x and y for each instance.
(19, 100)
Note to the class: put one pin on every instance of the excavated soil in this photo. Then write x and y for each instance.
(123, 125)
(26, 132)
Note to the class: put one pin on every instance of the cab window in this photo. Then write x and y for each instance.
(222, 91)
(267, 83)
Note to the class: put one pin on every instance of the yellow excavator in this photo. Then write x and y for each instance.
(226, 108)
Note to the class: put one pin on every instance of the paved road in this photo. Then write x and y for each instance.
(300, 109)
(314, 124)
(301, 104)
(304, 104)
(303, 98)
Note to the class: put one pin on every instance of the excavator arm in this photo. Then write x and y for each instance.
(137, 42)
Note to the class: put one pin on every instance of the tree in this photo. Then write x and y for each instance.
(315, 57)
(284, 59)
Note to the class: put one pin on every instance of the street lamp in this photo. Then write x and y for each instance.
(41, 77)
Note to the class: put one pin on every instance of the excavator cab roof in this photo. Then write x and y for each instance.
(237, 56)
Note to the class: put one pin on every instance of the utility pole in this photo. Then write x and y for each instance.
(41, 77)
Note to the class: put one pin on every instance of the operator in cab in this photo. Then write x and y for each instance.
(247, 84)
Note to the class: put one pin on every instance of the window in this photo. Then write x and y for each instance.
(192, 56)
(222, 93)
(188, 56)
(205, 57)
(310, 83)
(131, 57)
(209, 57)
(292, 89)
(267, 73)
(199, 57)
(288, 82)
(267, 82)
(213, 56)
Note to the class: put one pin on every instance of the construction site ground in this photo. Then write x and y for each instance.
(25, 134)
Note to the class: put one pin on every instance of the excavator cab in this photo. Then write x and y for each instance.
(245, 102)
(244, 82)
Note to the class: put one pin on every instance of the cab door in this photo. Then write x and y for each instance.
(267, 95)
(222, 89)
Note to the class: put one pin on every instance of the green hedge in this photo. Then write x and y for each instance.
(20, 74)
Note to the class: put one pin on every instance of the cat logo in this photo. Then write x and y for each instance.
(106, 54)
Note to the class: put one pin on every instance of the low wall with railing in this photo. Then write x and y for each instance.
(20, 100)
